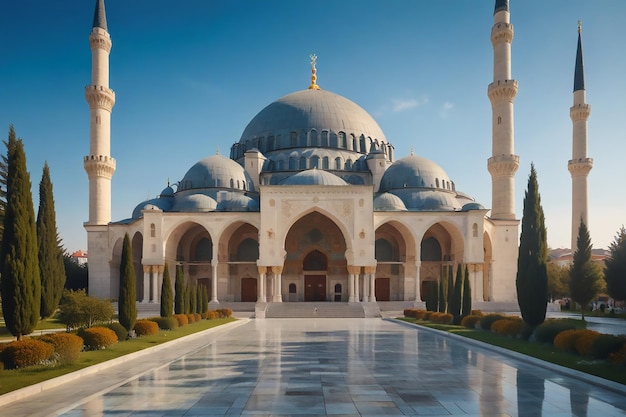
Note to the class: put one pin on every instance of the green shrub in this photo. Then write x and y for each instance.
(146, 327)
(165, 323)
(67, 346)
(181, 319)
(489, 319)
(470, 322)
(120, 331)
(547, 331)
(96, 338)
(27, 352)
(606, 344)
(77, 309)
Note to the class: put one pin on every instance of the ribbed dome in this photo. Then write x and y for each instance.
(414, 171)
(312, 109)
(313, 177)
(216, 172)
(388, 202)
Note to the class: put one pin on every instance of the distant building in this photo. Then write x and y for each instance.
(79, 257)
(565, 257)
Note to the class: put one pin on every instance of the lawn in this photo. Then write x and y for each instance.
(543, 351)
(11, 380)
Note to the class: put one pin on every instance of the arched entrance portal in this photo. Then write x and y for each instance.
(315, 261)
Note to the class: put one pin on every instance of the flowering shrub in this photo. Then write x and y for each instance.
(146, 327)
(27, 352)
(181, 319)
(97, 337)
(67, 346)
(165, 323)
(584, 344)
(510, 326)
(470, 322)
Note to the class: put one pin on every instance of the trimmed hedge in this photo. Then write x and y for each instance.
(584, 344)
(547, 331)
(225, 313)
(441, 318)
(471, 322)
(165, 323)
(510, 326)
(27, 352)
(566, 340)
(120, 331)
(489, 319)
(619, 357)
(606, 344)
(146, 327)
(97, 337)
(181, 319)
(191, 318)
(213, 315)
(67, 346)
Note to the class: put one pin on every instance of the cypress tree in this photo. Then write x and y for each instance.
(467, 294)
(205, 299)
(127, 297)
(51, 266)
(199, 290)
(532, 273)
(179, 287)
(20, 285)
(443, 292)
(585, 275)
(450, 288)
(615, 267)
(167, 300)
(432, 296)
(193, 297)
(455, 304)
(3, 188)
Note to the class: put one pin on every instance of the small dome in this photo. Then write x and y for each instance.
(238, 203)
(194, 203)
(388, 202)
(167, 192)
(472, 206)
(163, 204)
(428, 199)
(313, 177)
(216, 171)
(414, 171)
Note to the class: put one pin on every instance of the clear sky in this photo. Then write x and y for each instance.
(189, 75)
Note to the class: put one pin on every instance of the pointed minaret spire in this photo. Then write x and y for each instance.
(313, 85)
(99, 16)
(580, 165)
(579, 71)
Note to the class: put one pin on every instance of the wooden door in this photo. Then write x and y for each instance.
(315, 288)
(248, 290)
(382, 289)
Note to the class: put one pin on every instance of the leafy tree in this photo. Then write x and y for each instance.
(615, 267)
(20, 286)
(443, 292)
(77, 310)
(432, 295)
(167, 300)
(51, 267)
(76, 275)
(532, 275)
(454, 307)
(179, 300)
(127, 296)
(467, 294)
(585, 275)
(558, 280)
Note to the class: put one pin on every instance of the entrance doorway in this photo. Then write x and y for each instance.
(248, 290)
(315, 288)
(382, 289)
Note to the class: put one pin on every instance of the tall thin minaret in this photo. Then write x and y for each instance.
(99, 164)
(579, 166)
(502, 91)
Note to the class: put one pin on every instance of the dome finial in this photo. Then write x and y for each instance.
(580, 26)
(168, 181)
(412, 153)
(313, 85)
(217, 150)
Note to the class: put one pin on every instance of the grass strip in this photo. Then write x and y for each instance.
(13, 379)
(543, 351)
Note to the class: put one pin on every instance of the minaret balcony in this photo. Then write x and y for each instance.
(503, 165)
(579, 112)
(502, 90)
(99, 166)
(100, 97)
(502, 32)
(580, 166)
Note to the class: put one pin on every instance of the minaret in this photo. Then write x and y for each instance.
(502, 91)
(579, 166)
(99, 164)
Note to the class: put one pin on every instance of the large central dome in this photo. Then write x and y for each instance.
(312, 109)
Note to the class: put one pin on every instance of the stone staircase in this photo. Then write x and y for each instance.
(320, 310)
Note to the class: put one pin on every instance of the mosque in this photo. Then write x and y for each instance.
(312, 204)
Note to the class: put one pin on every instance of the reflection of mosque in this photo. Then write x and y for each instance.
(312, 205)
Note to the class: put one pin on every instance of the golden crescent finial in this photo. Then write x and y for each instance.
(313, 85)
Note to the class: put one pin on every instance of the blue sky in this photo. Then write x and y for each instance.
(189, 75)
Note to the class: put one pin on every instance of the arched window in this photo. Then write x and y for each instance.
(348, 164)
(292, 162)
(152, 230)
(292, 288)
(355, 146)
(248, 250)
(313, 135)
(475, 230)
(431, 250)
(315, 162)
(302, 162)
(337, 163)
(270, 143)
(232, 183)
(325, 138)
(325, 164)
(280, 164)
(362, 147)
(293, 138)
(437, 182)
(342, 140)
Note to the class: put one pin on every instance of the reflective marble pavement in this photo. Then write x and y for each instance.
(331, 367)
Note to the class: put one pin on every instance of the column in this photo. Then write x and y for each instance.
(261, 288)
(155, 291)
(214, 299)
(418, 296)
(278, 296)
(369, 284)
(357, 282)
(351, 273)
(146, 284)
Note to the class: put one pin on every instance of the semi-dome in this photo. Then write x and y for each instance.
(164, 204)
(216, 171)
(388, 202)
(194, 203)
(238, 203)
(313, 177)
(312, 109)
(472, 206)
